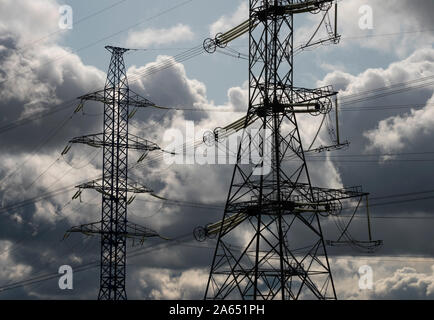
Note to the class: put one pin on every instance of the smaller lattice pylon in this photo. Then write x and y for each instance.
(117, 191)
(114, 186)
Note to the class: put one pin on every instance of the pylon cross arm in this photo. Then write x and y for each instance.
(133, 230)
(222, 39)
(134, 99)
(134, 142)
(298, 6)
(130, 188)
(304, 95)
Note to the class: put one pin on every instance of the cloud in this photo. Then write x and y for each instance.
(393, 278)
(383, 125)
(157, 37)
(179, 90)
(405, 283)
(393, 133)
(55, 80)
(37, 74)
(171, 272)
(30, 21)
(239, 97)
(173, 285)
(399, 27)
(390, 17)
(39, 77)
(11, 270)
(226, 22)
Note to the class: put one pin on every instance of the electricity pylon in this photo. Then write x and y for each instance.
(114, 228)
(270, 243)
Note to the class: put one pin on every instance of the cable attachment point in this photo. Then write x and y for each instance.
(209, 45)
(200, 234)
(219, 41)
(209, 138)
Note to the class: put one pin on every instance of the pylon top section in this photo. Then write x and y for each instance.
(116, 50)
(273, 8)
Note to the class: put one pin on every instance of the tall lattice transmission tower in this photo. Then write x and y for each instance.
(114, 227)
(270, 243)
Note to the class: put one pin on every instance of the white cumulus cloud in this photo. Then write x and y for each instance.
(406, 283)
(396, 132)
(226, 22)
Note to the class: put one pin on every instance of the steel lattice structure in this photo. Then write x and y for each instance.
(274, 214)
(114, 227)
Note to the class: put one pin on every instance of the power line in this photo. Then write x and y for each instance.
(37, 116)
(376, 154)
(177, 241)
(83, 267)
(51, 134)
(371, 161)
(161, 13)
(393, 217)
(169, 63)
(387, 34)
(387, 107)
(76, 22)
(178, 202)
(393, 88)
(220, 207)
(195, 51)
(66, 189)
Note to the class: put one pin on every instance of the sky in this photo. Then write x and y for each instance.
(43, 67)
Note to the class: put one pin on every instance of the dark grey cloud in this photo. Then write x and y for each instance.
(420, 9)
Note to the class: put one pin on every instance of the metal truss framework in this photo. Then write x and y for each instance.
(275, 215)
(114, 228)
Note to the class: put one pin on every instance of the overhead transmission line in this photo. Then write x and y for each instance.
(198, 50)
(186, 144)
(187, 55)
(183, 57)
(181, 241)
(192, 54)
(394, 89)
(168, 63)
(208, 206)
(161, 13)
(95, 263)
(76, 22)
(153, 158)
(211, 206)
(51, 134)
(386, 34)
